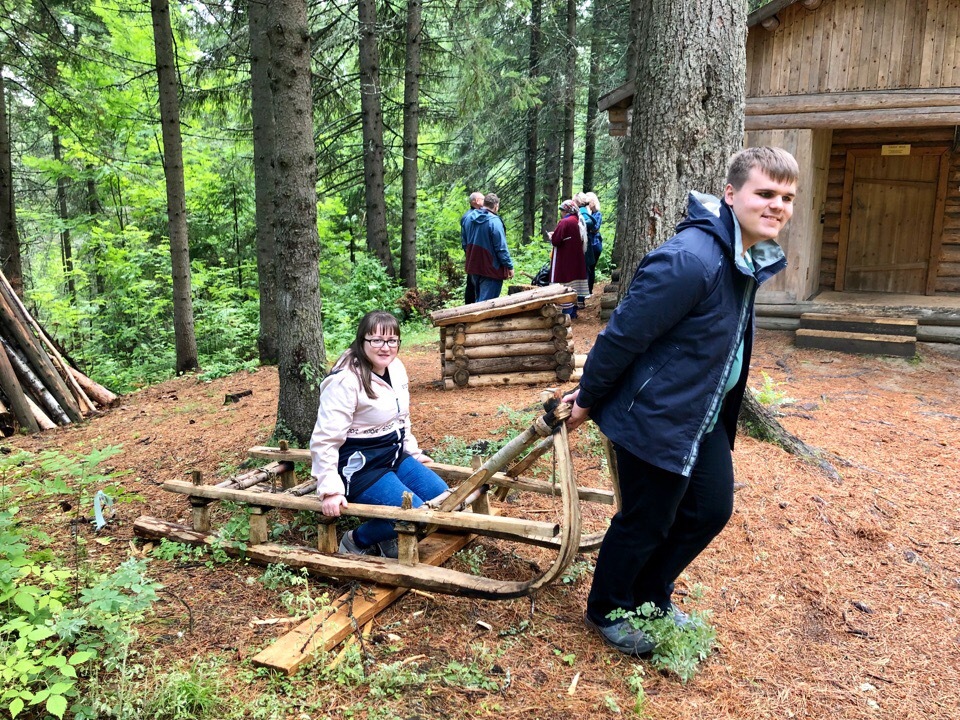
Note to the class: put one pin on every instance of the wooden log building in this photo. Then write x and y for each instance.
(866, 95)
(522, 338)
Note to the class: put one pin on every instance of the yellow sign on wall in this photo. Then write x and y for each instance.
(895, 150)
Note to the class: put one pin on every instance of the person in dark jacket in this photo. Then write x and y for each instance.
(484, 243)
(476, 202)
(665, 380)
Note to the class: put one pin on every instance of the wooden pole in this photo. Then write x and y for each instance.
(509, 350)
(29, 378)
(529, 378)
(95, 390)
(39, 360)
(62, 365)
(14, 393)
(549, 334)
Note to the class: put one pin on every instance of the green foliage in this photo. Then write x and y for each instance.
(770, 393)
(679, 650)
(576, 571)
(473, 673)
(472, 558)
(53, 624)
(194, 692)
(635, 683)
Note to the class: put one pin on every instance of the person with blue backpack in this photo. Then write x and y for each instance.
(594, 239)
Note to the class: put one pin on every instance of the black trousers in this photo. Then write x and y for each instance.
(665, 522)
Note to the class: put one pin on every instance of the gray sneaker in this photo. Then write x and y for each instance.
(623, 636)
(349, 546)
(389, 548)
(681, 619)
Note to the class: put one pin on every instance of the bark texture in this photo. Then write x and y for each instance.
(530, 155)
(263, 169)
(569, 99)
(411, 129)
(371, 116)
(186, 341)
(9, 237)
(597, 30)
(301, 355)
(687, 115)
(66, 246)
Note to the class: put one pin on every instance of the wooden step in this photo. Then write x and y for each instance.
(856, 342)
(859, 324)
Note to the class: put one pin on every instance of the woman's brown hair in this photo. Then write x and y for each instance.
(375, 322)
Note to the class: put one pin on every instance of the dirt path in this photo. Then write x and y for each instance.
(830, 600)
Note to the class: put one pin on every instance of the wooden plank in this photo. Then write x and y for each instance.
(851, 119)
(937, 238)
(950, 76)
(813, 24)
(859, 324)
(350, 611)
(507, 305)
(861, 343)
(503, 527)
(925, 58)
(890, 39)
(857, 31)
(844, 234)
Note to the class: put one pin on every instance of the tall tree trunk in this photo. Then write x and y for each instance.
(570, 99)
(371, 115)
(186, 341)
(302, 360)
(66, 250)
(692, 58)
(9, 238)
(616, 253)
(411, 129)
(261, 103)
(94, 208)
(552, 131)
(530, 156)
(597, 30)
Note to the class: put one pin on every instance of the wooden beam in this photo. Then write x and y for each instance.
(456, 475)
(618, 97)
(892, 118)
(501, 527)
(367, 568)
(847, 101)
(507, 305)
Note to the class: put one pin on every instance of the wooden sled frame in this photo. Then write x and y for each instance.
(259, 490)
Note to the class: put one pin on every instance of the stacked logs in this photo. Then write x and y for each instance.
(39, 389)
(522, 338)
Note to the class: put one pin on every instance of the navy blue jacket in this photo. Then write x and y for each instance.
(655, 377)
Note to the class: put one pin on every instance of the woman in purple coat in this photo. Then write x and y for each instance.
(568, 265)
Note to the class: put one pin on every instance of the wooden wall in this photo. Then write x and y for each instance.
(850, 45)
(948, 275)
(800, 240)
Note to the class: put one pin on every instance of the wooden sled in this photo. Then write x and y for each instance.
(273, 487)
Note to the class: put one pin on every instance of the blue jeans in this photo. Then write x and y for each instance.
(412, 476)
(485, 288)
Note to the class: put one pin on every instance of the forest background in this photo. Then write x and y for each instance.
(506, 103)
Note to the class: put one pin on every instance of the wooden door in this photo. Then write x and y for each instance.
(891, 208)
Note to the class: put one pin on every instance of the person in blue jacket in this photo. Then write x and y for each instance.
(484, 241)
(665, 380)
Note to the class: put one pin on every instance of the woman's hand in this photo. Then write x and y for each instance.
(425, 459)
(331, 504)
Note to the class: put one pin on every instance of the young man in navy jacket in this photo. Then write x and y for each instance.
(665, 380)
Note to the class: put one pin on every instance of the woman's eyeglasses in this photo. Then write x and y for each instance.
(380, 342)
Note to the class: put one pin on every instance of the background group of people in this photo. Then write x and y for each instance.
(577, 245)
(576, 242)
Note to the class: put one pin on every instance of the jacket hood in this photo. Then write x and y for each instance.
(713, 216)
(481, 216)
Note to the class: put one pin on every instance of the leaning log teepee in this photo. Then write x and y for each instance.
(39, 389)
